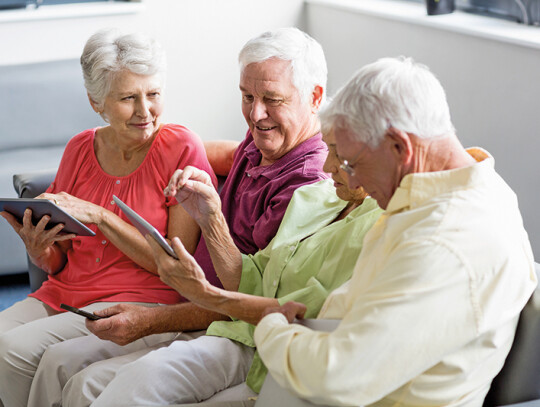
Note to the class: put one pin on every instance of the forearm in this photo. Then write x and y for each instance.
(179, 317)
(127, 239)
(225, 256)
(248, 308)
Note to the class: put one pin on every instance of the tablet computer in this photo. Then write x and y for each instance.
(144, 226)
(42, 207)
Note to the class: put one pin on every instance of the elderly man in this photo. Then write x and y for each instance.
(282, 82)
(430, 312)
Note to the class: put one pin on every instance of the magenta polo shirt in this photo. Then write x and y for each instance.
(254, 198)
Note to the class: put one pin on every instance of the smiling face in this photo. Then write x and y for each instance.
(133, 106)
(377, 170)
(332, 166)
(277, 117)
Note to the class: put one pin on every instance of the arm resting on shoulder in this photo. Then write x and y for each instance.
(220, 154)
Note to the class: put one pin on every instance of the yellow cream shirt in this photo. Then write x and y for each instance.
(430, 312)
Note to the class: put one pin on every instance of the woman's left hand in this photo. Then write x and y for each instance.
(81, 210)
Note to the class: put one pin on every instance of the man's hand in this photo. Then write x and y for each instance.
(124, 324)
(184, 274)
(291, 310)
(194, 190)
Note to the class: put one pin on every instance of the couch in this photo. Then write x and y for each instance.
(42, 106)
(517, 385)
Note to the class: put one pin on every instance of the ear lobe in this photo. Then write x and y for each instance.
(316, 98)
(93, 104)
(401, 145)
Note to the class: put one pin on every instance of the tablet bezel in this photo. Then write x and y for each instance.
(143, 226)
(42, 207)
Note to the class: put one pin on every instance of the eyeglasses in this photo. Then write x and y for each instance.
(349, 168)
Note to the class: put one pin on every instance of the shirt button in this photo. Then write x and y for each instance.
(103, 241)
(291, 248)
(97, 260)
(117, 182)
(112, 202)
(275, 283)
(249, 175)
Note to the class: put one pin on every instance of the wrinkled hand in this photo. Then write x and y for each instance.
(291, 310)
(83, 211)
(184, 274)
(193, 189)
(124, 324)
(36, 238)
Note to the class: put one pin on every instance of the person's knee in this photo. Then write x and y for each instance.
(82, 388)
(145, 367)
(73, 390)
(12, 355)
(53, 361)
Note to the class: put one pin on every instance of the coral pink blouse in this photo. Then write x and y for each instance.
(96, 270)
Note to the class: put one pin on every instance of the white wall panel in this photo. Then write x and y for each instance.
(493, 86)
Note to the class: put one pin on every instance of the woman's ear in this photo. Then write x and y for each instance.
(94, 104)
(316, 98)
(401, 145)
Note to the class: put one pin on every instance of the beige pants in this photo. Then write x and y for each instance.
(182, 372)
(74, 372)
(87, 371)
(27, 329)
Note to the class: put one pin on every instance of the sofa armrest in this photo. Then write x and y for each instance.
(31, 184)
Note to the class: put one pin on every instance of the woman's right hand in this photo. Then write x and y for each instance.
(36, 238)
(194, 190)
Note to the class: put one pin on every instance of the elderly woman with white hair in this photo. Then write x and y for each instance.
(282, 85)
(133, 157)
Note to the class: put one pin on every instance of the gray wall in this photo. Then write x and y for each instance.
(492, 86)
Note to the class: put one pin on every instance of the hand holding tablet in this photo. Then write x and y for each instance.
(144, 226)
(42, 207)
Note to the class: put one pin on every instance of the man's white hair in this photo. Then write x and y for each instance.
(393, 92)
(306, 57)
(109, 51)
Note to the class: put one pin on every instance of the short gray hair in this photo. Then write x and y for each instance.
(109, 51)
(395, 92)
(306, 56)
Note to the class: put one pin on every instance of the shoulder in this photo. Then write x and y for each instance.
(313, 197)
(178, 133)
(177, 140)
(81, 140)
(322, 189)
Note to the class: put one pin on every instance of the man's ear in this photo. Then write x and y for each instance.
(401, 145)
(316, 98)
(93, 104)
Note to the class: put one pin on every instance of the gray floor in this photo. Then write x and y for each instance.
(13, 288)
